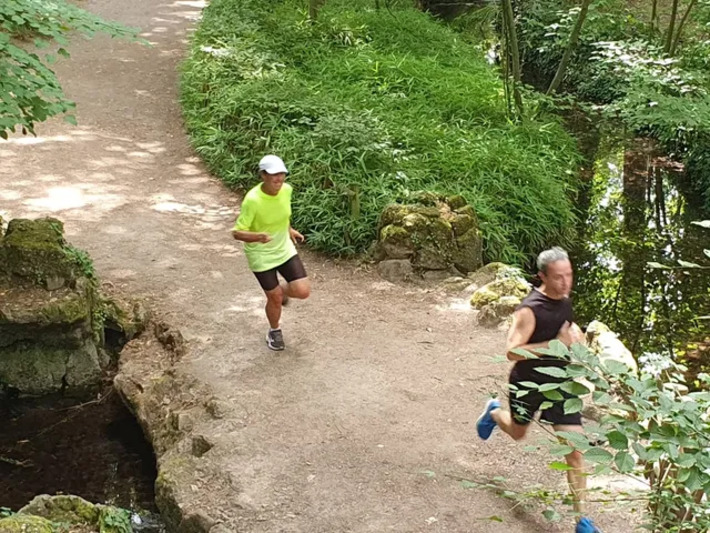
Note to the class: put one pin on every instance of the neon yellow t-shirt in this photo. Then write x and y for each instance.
(263, 213)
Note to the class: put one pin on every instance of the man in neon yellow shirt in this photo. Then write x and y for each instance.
(264, 225)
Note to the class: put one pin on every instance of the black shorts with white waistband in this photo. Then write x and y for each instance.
(291, 270)
(523, 409)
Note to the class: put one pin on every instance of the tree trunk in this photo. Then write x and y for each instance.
(573, 38)
(674, 45)
(654, 16)
(671, 27)
(313, 8)
(512, 38)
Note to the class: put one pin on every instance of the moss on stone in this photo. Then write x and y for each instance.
(21, 523)
(34, 250)
(456, 201)
(483, 297)
(461, 224)
(498, 289)
(63, 508)
(467, 256)
(427, 198)
(396, 242)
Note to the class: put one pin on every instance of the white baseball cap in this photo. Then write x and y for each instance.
(272, 164)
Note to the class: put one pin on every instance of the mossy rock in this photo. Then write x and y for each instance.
(430, 257)
(497, 311)
(35, 369)
(497, 289)
(427, 198)
(396, 242)
(468, 254)
(59, 318)
(456, 201)
(35, 252)
(461, 224)
(493, 271)
(126, 318)
(63, 508)
(483, 297)
(436, 232)
(21, 523)
(396, 213)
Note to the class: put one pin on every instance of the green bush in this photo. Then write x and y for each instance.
(366, 107)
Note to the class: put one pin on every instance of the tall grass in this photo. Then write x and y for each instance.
(367, 107)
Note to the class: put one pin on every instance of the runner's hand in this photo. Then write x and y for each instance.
(570, 334)
(263, 238)
(296, 237)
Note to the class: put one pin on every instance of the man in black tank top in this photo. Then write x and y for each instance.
(545, 314)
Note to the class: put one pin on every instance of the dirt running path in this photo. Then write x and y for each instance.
(365, 422)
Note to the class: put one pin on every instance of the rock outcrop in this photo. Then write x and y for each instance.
(500, 290)
(53, 319)
(434, 233)
(72, 513)
(50, 320)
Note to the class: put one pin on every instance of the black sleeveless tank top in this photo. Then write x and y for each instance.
(550, 316)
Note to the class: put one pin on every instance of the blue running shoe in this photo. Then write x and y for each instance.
(585, 525)
(485, 423)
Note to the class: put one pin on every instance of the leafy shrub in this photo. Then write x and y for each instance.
(30, 92)
(654, 430)
(367, 107)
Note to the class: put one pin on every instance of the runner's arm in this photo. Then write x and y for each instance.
(522, 329)
(250, 236)
(520, 333)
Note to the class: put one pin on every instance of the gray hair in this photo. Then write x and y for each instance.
(550, 256)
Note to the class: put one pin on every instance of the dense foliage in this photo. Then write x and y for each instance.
(29, 89)
(630, 69)
(653, 430)
(367, 106)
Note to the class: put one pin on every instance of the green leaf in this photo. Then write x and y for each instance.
(495, 518)
(574, 438)
(652, 264)
(553, 371)
(598, 455)
(602, 398)
(573, 405)
(549, 386)
(524, 353)
(561, 449)
(558, 465)
(574, 388)
(551, 515)
(529, 385)
(618, 440)
(702, 223)
(688, 264)
(545, 406)
(555, 396)
(624, 461)
(616, 368)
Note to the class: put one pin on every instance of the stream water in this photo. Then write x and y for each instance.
(93, 449)
(635, 211)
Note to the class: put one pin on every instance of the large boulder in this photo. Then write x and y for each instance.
(51, 323)
(499, 290)
(433, 233)
(75, 512)
(607, 346)
(18, 523)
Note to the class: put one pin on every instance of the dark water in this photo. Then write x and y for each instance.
(634, 211)
(96, 451)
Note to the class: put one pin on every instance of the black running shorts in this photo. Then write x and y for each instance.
(523, 409)
(291, 270)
